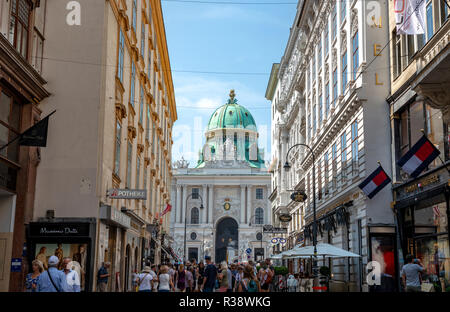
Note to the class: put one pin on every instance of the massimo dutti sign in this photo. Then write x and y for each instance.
(126, 194)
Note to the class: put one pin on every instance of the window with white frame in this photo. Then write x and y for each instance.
(259, 193)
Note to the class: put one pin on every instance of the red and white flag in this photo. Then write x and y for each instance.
(375, 182)
(410, 16)
(168, 208)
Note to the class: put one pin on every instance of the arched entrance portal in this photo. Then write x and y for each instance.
(227, 240)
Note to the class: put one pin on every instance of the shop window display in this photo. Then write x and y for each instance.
(77, 252)
(431, 245)
(383, 251)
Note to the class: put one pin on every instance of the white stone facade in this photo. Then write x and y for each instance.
(217, 186)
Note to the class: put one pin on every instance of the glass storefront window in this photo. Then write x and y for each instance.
(77, 252)
(383, 252)
(433, 253)
(433, 217)
(420, 116)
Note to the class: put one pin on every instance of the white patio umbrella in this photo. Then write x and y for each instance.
(277, 256)
(323, 250)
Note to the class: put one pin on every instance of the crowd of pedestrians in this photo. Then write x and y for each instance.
(190, 277)
(210, 277)
(52, 279)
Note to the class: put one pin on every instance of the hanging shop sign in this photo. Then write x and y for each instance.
(126, 194)
(299, 196)
(278, 240)
(285, 217)
(115, 216)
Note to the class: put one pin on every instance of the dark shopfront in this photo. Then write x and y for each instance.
(422, 208)
(65, 238)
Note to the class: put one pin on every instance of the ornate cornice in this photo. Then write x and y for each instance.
(17, 71)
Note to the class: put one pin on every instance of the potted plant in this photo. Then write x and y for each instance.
(325, 274)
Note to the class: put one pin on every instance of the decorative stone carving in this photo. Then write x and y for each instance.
(354, 25)
(181, 164)
(121, 111)
(132, 132)
(334, 58)
(437, 95)
(343, 41)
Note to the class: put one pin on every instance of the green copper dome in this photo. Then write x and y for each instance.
(232, 115)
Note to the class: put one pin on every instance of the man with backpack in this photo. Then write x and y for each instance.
(210, 276)
(267, 277)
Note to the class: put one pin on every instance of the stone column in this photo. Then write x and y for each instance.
(183, 204)
(284, 149)
(249, 203)
(242, 203)
(268, 208)
(205, 204)
(178, 205)
(210, 203)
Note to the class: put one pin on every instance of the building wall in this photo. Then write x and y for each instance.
(345, 145)
(218, 191)
(22, 83)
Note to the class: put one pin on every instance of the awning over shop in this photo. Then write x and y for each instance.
(323, 250)
(169, 251)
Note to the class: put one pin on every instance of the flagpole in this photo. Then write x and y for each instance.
(10, 142)
(442, 161)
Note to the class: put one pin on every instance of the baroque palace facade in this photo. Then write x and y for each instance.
(329, 92)
(222, 204)
(107, 68)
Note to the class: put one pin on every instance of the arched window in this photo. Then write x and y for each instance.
(259, 216)
(195, 216)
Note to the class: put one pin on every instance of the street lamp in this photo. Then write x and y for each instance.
(185, 222)
(287, 167)
(250, 224)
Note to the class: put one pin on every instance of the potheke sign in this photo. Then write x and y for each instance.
(126, 194)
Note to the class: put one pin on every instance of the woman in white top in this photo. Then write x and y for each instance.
(144, 280)
(165, 281)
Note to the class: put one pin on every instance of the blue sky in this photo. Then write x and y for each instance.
(222, 38)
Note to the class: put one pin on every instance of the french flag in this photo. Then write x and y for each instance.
(375, 182)
(418, 157)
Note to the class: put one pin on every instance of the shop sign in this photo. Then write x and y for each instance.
(285, 217)
(422, 183)
(16, 265)
(110, 214)
(299, 196)
(59, 229)
(126, 194)
(274, 230)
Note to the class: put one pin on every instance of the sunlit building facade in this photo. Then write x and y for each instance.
(333, 85)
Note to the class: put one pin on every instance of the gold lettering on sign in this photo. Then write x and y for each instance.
(376, 80)
(375, 22)
(424, 182)
(376, 50)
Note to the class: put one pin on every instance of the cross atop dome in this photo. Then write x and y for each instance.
(232, 99)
